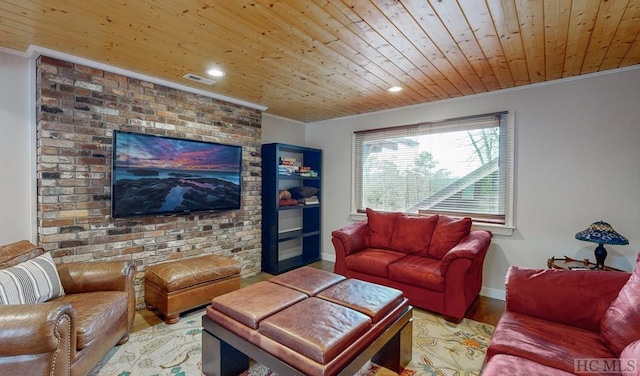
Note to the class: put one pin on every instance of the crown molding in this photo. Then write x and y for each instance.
(34, 51)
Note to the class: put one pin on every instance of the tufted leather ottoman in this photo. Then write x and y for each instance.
(178, 286)
(307, 322)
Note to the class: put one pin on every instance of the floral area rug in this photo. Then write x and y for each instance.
(440, 348)
(161, 350)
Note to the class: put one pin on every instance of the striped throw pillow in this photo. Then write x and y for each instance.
(33, 281)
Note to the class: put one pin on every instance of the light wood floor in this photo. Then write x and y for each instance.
(484, 309)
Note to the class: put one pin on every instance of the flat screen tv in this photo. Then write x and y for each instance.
(155, 175)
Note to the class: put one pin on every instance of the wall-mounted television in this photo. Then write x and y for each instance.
(157, 175)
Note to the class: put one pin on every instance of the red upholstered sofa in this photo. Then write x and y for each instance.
(563, 322)
(435, 260)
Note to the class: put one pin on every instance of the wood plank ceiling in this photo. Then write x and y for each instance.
(311, 60)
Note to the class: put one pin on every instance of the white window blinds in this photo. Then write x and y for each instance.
(460, 167)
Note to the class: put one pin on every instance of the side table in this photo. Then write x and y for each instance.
(572, 264)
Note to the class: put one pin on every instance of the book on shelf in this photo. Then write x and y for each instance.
(288, 161)
(313, 200)
(287, 170)
(309, 174)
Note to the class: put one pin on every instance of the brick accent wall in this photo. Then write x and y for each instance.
(78, 109)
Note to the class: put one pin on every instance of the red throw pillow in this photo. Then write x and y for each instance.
(631, 352)
(381, 226)
(413, 234)
(618, 327)
(448, 232)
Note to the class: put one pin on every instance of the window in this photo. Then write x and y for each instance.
(458, 167)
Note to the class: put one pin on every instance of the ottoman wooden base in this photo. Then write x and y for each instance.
(178, 286)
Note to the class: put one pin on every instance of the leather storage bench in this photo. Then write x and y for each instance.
(309, 322)
(178, 286)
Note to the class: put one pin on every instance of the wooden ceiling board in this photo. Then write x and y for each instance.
(531, 19)
(420, 50)
(269, 46)
(623, 39)
(633, 57)
(431, 24)
(375, 46)
(340, 69)
(297, 81)
(401, 50)
(263, 66)
(320, 59)
(333, 41)
(505, 20)
(426, 53)
(454, 20)
(583, 17)
(410, 66)
(479, 19)
(609, 16)
(416, 64)
(557, 14)
(391, 47)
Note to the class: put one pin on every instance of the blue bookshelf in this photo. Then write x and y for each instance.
(290, 234)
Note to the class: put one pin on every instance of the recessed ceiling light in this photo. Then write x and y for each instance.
(214, 72)
(394, 89)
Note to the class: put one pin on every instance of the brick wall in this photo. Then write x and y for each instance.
(78, 109)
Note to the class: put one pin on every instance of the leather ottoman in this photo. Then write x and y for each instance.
(178, 286)
(307, 322)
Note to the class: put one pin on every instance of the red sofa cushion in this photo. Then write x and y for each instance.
(418, 271)
(631, 352)
(615, 329)
(448, 232)
(373, 261)
(545, 342)
(381, 227)
(413, 234)
(535, 292)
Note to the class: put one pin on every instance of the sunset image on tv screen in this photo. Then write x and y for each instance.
(163, 175)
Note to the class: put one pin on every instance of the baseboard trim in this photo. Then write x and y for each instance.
(328, 257)
(493, 293)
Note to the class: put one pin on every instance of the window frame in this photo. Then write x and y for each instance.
(507, 147)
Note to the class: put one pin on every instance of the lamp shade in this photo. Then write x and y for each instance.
(601, 233)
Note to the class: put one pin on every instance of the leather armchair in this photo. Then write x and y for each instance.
(70, 334)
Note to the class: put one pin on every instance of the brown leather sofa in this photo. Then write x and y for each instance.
(70, 334)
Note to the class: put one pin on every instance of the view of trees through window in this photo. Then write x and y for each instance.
(454, 170)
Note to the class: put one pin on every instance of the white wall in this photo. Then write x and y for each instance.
(17, 194)
(283, 130)
(577, 161)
